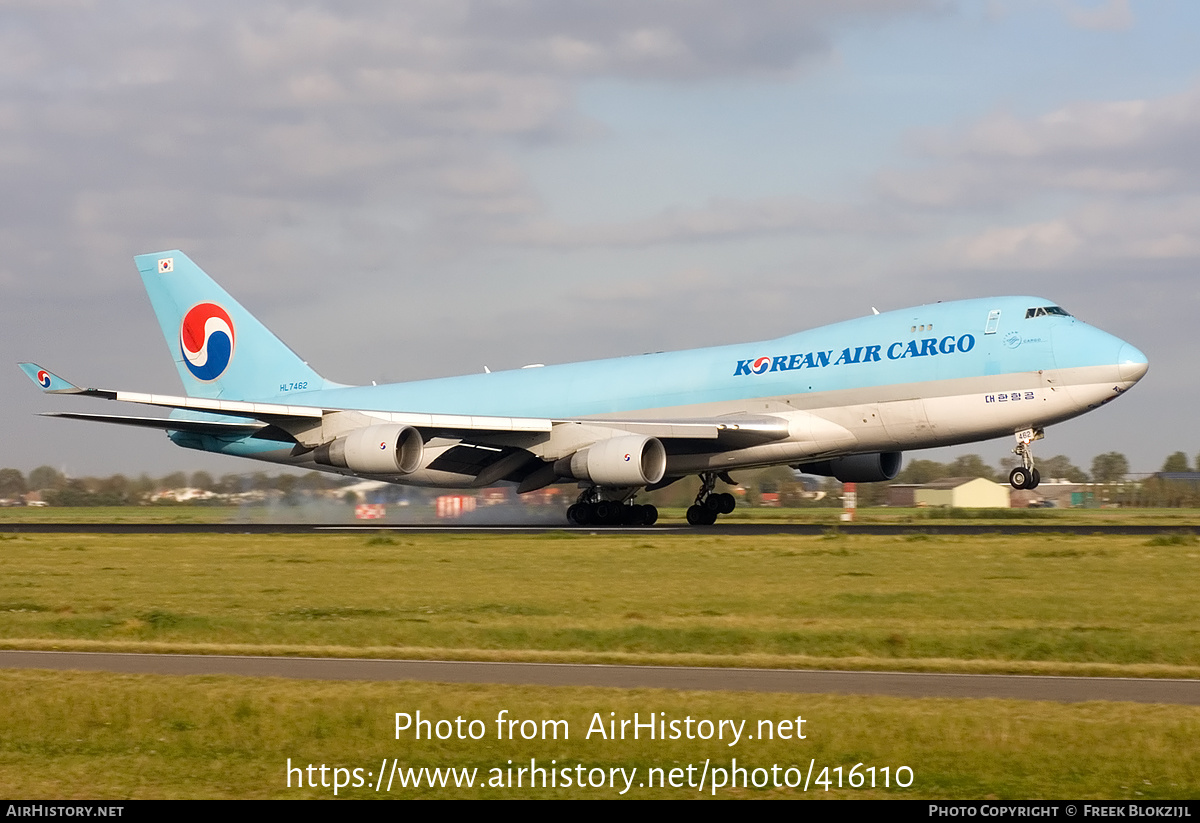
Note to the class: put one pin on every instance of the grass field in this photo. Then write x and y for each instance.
(1081, 605)
(69, 735)
(329, 512)
(1021, 604)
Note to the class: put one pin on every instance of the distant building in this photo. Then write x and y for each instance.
(903, 495)
(368, 491)
(1056, 493)
(496, 496)
(1178, 477)
(455, 505)
(184, 495)
(549, 496)
(962, 493)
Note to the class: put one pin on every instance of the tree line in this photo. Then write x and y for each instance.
(56, 488)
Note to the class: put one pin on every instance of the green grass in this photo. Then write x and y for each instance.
(1082, 605)
(74, 735)
(993, 603)
(1182, 518)
(333, 512)
(126, 514)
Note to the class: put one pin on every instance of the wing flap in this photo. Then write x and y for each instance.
(238, 408)
(214, 427)
(743, 428)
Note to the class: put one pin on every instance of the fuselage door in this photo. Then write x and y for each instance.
(993, 322)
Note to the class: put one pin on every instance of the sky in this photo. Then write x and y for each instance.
(422, 189)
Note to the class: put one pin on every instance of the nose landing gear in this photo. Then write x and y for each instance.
(1026, 476)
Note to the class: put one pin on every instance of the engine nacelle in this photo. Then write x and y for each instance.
(628, 460)
(384, 449)
(857, 468)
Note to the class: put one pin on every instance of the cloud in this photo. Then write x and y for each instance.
(1090, 197)
(667, 39)
(1131, 147)
(373, 106)
(723, 219)
(1113, 15)
(1100, 234)
(1096, 15)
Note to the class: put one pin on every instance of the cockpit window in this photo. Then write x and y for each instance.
(1042, 311)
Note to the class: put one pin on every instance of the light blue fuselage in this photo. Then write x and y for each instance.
(933, 375)
(874, 351)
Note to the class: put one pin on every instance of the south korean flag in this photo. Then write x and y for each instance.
(167, 264)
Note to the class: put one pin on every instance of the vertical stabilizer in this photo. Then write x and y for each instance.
(220, 349)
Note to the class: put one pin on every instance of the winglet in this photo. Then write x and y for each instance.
(48, 381)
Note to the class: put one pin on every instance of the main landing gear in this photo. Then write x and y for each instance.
(708, 503)
(1026, 476)
(592, 510)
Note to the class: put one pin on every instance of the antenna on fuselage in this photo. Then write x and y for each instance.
(874, 310)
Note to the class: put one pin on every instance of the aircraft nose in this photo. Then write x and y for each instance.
(1131, 364)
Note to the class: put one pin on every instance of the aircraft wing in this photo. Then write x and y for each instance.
(293, 417)
(486, 448)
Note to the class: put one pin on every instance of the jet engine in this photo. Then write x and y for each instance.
(383, 449)
(628, 460)
(857, 468)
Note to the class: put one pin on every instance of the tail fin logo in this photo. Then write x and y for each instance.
(43, 378)
(206, 341)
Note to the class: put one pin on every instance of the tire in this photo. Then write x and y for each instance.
(1035, 479)
(695, 516)
(607, 513)
(649, 515)
(728, 503)
(1019, 478)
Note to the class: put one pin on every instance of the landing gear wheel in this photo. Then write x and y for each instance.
(708, 504)
(1026, 476)
(592, 510)
(606, 513)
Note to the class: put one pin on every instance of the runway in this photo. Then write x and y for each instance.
(688, 678)
(726, 530)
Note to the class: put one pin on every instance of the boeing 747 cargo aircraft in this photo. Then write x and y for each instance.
(842, 400)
